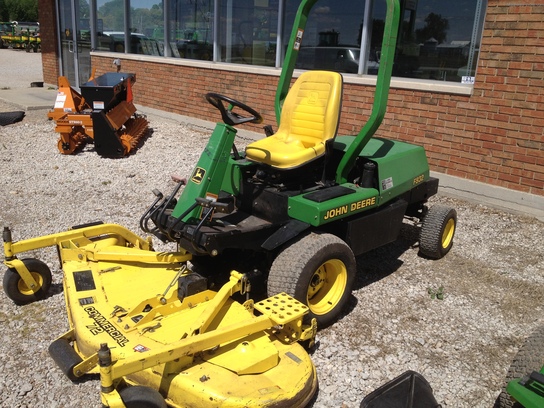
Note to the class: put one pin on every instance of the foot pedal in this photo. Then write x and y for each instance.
(282, 308)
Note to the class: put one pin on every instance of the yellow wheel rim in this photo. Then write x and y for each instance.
(447, 235)
(23, 287)
(327, 286)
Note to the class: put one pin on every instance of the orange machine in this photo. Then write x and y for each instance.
(103, 113)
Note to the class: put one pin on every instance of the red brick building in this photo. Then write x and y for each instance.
(478, 137)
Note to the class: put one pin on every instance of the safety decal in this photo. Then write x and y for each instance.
(387, 183)
(298, 39)
(140, 349)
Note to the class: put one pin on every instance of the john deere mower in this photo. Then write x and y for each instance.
(295, 208)
(287, 215)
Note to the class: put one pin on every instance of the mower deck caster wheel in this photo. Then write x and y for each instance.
(437, 231)
(16, 288)
(65, 357)
(139, 396)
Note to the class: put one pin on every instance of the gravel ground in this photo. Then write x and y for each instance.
(493, 279)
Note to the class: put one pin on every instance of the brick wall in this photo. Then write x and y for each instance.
(494, 136)
(48, 24)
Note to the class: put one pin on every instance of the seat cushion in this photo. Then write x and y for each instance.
(280, 152)
(309, 118)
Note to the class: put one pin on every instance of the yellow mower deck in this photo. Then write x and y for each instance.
(165, 330)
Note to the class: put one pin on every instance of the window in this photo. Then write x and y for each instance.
(191, 29)
(248, 31)
(437, 40)
(146, 22)
(332, 39)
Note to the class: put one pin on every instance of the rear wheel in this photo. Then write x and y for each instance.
(16, 288)
(139, 396)
(318, 270)
(529, 358)
(437, 231)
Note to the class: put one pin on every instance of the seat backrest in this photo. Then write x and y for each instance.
(311, 110)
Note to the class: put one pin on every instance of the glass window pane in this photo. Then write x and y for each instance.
(332, 39)
(146, 21)
(191, 29)
(248, 31)
(435, 38)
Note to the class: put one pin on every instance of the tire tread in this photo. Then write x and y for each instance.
(430, 239)
(529, 358)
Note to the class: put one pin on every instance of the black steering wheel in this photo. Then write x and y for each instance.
(230, 117)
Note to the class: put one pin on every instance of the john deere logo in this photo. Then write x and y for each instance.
(198, 175)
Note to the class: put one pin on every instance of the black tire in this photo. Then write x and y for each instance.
(139, 396)
(437, 231)
(17, 290)
(319, 271)
(529, 358)
(8, 118)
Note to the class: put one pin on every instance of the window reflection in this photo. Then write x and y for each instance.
(332, 39)
(146, 22)
(191, 29)
(437, 40)
(248, 31)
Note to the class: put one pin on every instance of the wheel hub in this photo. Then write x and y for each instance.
(447, 235)
(327, 286)
(23, 287)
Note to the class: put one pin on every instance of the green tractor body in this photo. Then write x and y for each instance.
(529, 390)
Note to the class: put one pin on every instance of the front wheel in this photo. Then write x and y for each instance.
(16, 288)
(319, 271)
(437, 231)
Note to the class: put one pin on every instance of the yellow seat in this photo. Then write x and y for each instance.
(309, 118)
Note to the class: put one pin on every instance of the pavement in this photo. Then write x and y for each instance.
(30, 98)
(20, 78)
(19, 90)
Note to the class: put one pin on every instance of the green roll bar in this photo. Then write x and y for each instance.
(383, 81)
